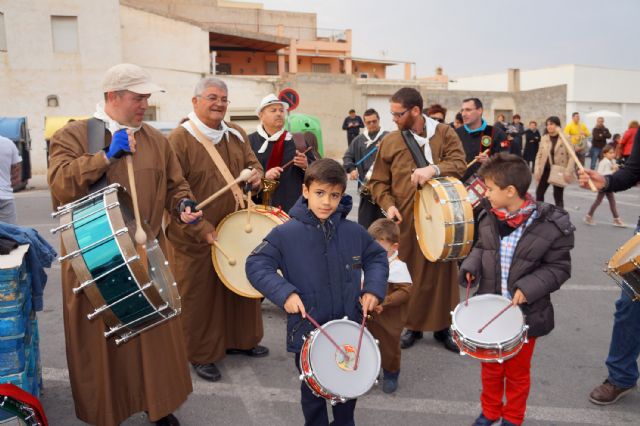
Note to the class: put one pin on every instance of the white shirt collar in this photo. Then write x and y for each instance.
(430, 125)
(214, 135)
(111, 124)
(274, 137)
(370, 141)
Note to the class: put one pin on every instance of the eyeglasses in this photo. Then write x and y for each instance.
(399, 114)
(371, 122)
(215, 99)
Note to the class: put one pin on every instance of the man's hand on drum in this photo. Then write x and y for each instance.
(519, 298)
(294, 305)
(597, 179)
(300, 160)
(273, 173)
(369, 303)
(423, 174)
(211, 237)
(353, 175)
(255, 178)
(188, 213)
(482, 157)
(394, 214)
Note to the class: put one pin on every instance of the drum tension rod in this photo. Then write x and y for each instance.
(87, 283)
(114, 330)
(94, 244)
(124, 338)
(64, 209)
(70, 224)
(103, 308)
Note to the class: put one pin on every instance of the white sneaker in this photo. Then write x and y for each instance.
(617, 222)
(589, 220)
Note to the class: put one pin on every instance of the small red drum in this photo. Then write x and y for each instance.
(476, 190)
(500, 340)
(325, 370)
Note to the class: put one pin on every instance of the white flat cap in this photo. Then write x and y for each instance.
(271, 99)
(129, 77)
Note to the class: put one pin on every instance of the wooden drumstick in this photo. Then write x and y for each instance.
(572, 152)
(245, 175)
(471, 163)
(288, 163)
(326, 334)
(140, 236)
(481, 329)
(427, 215)
(364, 318)
(231, 260)
(247, 227)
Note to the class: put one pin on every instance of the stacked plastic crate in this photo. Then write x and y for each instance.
(19, 340)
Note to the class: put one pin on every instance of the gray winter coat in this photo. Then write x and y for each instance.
(540, 265)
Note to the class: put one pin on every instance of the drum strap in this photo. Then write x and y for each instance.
(414, 149)
(95, 144)
(219, 163)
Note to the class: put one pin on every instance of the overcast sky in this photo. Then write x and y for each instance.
(471, 37)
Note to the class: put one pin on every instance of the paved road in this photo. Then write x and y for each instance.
(436, 386)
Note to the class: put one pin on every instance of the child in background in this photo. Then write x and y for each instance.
(391, 315)
(607, 166)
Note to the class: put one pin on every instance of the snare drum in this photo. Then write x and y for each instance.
(443, 219)
(624, 267)
(325, 371)
(476, 190)
(128, 295)
(237, 244)
(500, 340)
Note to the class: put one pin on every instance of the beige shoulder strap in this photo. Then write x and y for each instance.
(220, 164)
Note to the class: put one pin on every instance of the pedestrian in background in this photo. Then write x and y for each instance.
(623, 149)
(10, 172)
(599, 137)
(352, 125)
(606, 167)
(531, 143)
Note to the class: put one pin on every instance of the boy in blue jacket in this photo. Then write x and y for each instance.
(321, 255)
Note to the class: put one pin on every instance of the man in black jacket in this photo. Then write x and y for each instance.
(352, 124)
(359, 159)
(622, 361)
(599, 136)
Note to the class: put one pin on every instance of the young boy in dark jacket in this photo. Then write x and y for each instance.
(522, 253)
(321, 255)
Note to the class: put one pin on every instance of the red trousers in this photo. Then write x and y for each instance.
(512, 379)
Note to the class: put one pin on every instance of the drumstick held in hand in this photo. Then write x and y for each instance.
(247, 227)
(364, 318)
(495, 317)
(427, 215)
(244, 176)
(288, 163)
(140, 236)
(466, 301)
(231, 260)
(471, 163)
(322, 330)
(572, 152)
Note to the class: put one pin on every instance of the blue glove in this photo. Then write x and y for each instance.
(119, 145)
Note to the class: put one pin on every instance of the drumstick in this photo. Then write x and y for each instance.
(231, 260)
(496, 317)
(424, 206)
(140, 236)
(572, 152)
(333, 342)
(288, 163)
(471, 163)
(364, 318)
(247, 227)
(466, 302)
(244, 176)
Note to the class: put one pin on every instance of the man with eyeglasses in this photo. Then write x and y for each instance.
(275, 147)
(149, 373)
(479, 140)
(393, 187)
(215, 320)
(357, 162)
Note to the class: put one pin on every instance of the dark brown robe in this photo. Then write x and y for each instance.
(213, 317)
(435, 287)
(150, 372)
(387, 326)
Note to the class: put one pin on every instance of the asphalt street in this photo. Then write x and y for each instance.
(436, 387)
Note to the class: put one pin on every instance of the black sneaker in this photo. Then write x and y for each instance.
(390, 381)
(208, 372)
(169, 420)
(409, 338)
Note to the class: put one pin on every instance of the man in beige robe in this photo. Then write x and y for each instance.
(216, 321)
(393, 187)
(150, 372)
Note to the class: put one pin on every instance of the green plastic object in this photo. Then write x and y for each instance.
(306, 123)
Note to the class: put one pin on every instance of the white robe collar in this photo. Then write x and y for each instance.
(370, 141)
(430, 125)
(214, 135)
(274, 137)
(111, 124)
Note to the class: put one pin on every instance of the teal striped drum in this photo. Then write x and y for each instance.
(130, 291)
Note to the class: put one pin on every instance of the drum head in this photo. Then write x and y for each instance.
(238, 244)
(340, 378)
(625, 254)
(161, 275)
(468, 319)
(429, 222)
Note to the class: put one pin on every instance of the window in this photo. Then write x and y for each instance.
(272, 68)
(223, 69)
(323, 68)
(3, 34)
(64, 31)
(150, 114)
